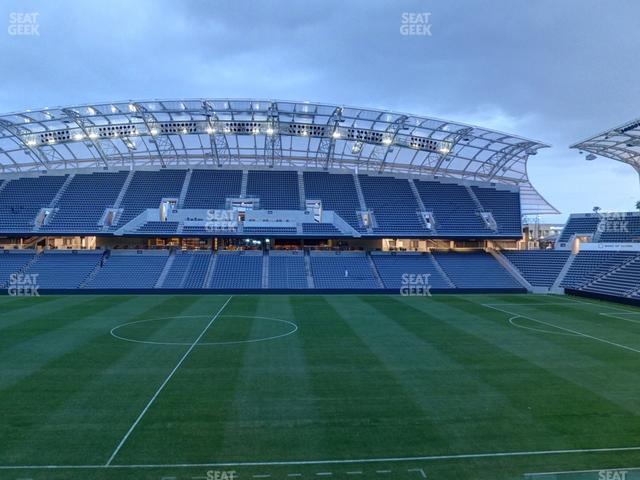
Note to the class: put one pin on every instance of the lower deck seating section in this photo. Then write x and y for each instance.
(475, 270)
(393, 204)
(580, 224)
(338, 193)
(211, 188)
(188, 270)
(539, 267)
(147, 189)
(238, 269)
(22, 198)
(84, 201)
(287, 270)
(277, 190)
(130, 270)
(401, 270)
(588, 266)
(504, 205)
(454, 210)
(623, 281)
(13, 262)
(342, 270)
(64, 269)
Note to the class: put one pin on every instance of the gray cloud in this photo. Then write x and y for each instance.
(554, 71)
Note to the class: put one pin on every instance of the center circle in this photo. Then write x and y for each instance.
(291, 329)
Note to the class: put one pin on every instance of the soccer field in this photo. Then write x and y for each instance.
(312, 386)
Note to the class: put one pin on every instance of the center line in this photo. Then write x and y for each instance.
(175, 369)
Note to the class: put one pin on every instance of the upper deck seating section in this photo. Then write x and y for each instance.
(580, 225)
(504, 206)
(147, 189)
(84, 201)
(454, 210)
(338, 193)
(210, 188)
(22, 198)
(393, 204)
(277, 190)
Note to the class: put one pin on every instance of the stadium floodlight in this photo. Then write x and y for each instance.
(335, 134)
(211, 130)
(387, 140)
(31, 143)
(154, 132)
(256, 131)
(270, 131)
(93, 135)
(184, 131)
(78, 136)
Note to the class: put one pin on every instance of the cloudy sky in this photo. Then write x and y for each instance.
(553, 70)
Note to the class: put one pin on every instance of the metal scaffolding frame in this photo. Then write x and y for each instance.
(271, 133)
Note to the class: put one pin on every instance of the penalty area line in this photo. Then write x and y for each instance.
(164, 384)
(425, 458)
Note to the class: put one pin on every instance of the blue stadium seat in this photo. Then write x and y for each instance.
(125, 270)
(277, 190)
(84, 201)
(287, 270)
(238, 269)
(454, 210)
(342, 270)
(65, 268)
(539, 267)
(210, 188)
(476, 270)
(504, 205)
(337, 192)
(12, 262)
(147, 189)
(580, 225)
(22, 198)
(394, 205)
(393, 267)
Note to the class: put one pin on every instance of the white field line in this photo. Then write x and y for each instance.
(602, 305)
(576, 332)
(175, 369)
(540, 330)
(619, 316)
(628, 469)
(461, 456)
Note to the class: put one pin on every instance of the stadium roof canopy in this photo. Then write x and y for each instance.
(247, 132)
(621, 143)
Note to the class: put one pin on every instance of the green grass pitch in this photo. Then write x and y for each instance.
(311, 386)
